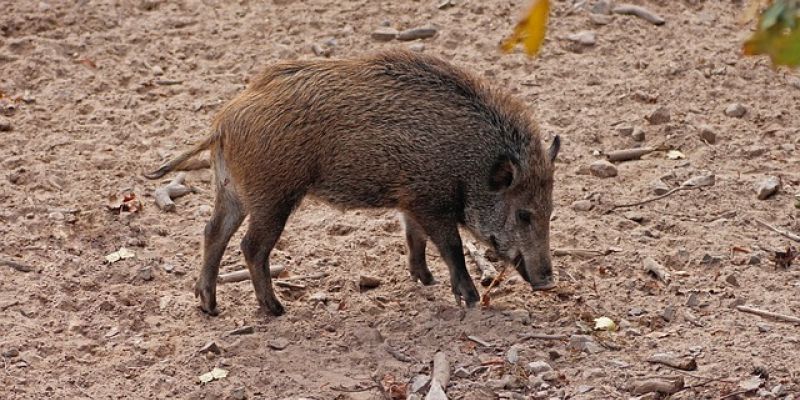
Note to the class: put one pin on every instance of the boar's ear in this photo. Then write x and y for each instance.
(503, 173)
(552, 152)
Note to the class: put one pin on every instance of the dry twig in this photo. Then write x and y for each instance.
(769, 314)
(781, 232)
(174, 189)
(243, 275)
(488, 272)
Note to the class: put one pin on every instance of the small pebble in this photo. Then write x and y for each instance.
(603, 7)
(735, 110)
(512, 355)
(239, 393)
(418, 47)
(638, 134)
(767, 186)
(582, 205)
(668, 314)
(764, 328)
(731, 279)
(755, 259)
(635, 312)
(145, 274)
(659, 187)
(157, 71)
(10, 353)
(538, 367)
(321, 51)
(660, 115)
(210, 347)
(368, 282)
(707, 134)
(584, 38)
(625, 130)
(384, 34)
(367, 335)
(5, 125)
(603, 169)
(168, 268)
(418, 383)
(600, 19)
(278, 344)
(584, 389)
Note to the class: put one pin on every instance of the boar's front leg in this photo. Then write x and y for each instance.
(444, 234)
(417, 239)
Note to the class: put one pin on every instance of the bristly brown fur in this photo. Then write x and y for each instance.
(394, 129)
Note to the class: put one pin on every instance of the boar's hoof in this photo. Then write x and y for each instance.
(544, 286)
(208, 304)
(275, 308)
(425, 277)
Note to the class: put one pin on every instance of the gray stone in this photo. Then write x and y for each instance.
(763, 328)
(659, 187)
(735, 110)
(461, 372)
(602, 7)
(145, 274)
(582, 205)
(239, 393)
(638, 134)
(278, 343)
(10, 353)
(384, 34)
(707, 134)
(368, 335)
(210, 347)
(538, 367)
(512, 355)
(417, 33)
(625, 130)
(583, 343)
(584, 38)
(603, 169)
(600, 19)
(767, 186)
(660, 115)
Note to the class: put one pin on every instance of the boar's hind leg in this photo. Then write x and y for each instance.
(228, 216)
(444, 234)
(417, 239)
(266, 226)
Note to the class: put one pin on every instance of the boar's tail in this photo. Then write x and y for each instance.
(176, 162)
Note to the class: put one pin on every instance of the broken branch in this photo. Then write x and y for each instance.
(194, 164)
(488, 272)
(585, 253)
(243, 275)
(628, 154)
(174, 189)
(769, 314)
(781, 232)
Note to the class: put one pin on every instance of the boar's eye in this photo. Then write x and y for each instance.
(524, 216)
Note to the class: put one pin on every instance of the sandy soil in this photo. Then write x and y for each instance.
(96, 91)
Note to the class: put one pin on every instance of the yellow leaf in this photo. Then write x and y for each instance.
(530, 30)
(604, 324)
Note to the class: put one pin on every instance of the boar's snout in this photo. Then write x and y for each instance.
(538, 271)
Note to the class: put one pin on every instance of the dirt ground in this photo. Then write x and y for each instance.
(97, 91)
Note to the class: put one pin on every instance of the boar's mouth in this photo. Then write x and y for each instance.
(522, 269)
(519, 264)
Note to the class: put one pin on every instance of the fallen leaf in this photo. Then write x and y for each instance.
(219, 373)
(784, 259)
(530, 30)
(215, 374)
(396, 390)
(675, 155)
(778, 34)
(207, 377)
(126, 202)
(120, 254)
(604, 324)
